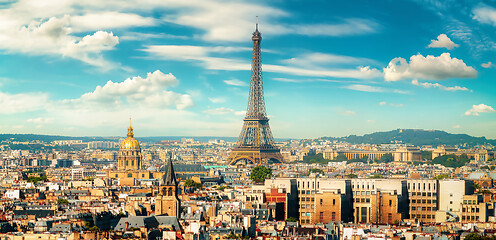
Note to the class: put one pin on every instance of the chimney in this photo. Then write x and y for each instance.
(126, 226)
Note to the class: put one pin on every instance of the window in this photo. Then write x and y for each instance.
(390, 203)
(129, 175)
(333, 201)
(451, 202)
(333, 216)
(321, 201)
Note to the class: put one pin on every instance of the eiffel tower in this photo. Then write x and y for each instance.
(255, 144)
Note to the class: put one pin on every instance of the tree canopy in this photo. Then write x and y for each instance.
(451, 160)
(260, 173)
(315, 170)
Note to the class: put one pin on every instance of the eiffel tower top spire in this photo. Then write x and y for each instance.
(256, 102)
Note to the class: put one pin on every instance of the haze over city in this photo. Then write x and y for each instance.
(182, 68)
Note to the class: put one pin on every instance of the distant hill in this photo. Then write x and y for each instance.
(417, 137)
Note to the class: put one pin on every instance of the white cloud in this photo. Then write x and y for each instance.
(53, 36)
(358, 73)
(322, 59)
(109, 20)
(150, 91)
(351, 26)
(203, 55)
(22, 102)
(485, 14)
(217, 100)
(383, 103)
(240, 113)
(477, 109)
(235, 82)
(348, 112)
(364, 88)
(138, 36)
(457, 127)
(40, 120)
(219, 111)
(437, 85)
(487, 65)
(428, 67)
(443, 41)
(305, 80)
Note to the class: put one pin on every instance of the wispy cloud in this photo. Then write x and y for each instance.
(235, 82)
(203, 55)
(487, 65)
(364, 88)
(384, 103)
(305, 80)
(219, 111)
(437, 85)
(217, 100)
(485, 14)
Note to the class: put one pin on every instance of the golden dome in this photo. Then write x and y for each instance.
(130, 143)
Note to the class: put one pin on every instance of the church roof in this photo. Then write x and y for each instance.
(169, 178)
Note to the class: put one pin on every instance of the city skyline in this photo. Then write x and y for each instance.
(183, 69)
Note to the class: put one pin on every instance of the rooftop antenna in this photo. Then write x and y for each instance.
(257, 23)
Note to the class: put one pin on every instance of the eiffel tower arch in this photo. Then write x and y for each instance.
(255, 143)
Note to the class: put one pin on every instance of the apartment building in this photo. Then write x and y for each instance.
(423, 196)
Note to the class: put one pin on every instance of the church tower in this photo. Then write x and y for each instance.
(167, 202)
(129, 152)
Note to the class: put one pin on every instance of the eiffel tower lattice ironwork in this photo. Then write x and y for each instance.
(255, 143)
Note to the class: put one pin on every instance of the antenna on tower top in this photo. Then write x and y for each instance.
(257, 23)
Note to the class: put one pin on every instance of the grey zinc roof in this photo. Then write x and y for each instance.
(136, 222)
(147, 222)
(63, 227)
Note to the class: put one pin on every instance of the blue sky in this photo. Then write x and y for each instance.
(331, 68)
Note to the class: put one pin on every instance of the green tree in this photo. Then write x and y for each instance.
(441, 176)
(376, 176)
(351, 175)
(451, 160)
(94, 229)
(386, 158)
(426, 155)
(475, 236)
(191, 183)
(291, 219)
(260, 173)
(62, 201)
(315, 170)
(315, 158)
(340, 158)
